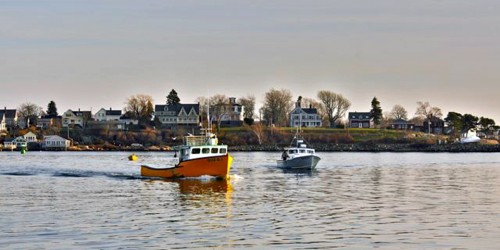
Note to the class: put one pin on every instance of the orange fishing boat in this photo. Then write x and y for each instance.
(198, 156)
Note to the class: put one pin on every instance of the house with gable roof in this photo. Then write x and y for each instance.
(55, 142)
(178, 114)
(76, 118)
(9, 119)
(304, 117)
(3, 126)
(104, 115)
(48, 121)
(360, 120)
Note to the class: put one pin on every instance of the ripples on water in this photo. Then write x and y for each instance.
(67, 200)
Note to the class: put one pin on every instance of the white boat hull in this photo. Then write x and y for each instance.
(302, 162)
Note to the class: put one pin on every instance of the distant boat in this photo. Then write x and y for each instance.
(298, 155)
(469, 137)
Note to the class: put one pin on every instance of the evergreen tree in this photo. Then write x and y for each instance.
(52, 109)
(376, 111)
(173, 98)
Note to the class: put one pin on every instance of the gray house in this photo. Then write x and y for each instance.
(305, 117)
(178, 114)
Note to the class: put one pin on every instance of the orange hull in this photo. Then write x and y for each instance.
(217, 166)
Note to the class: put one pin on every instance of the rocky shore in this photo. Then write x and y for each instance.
(455, 148)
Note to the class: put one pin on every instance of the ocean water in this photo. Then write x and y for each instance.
(98, 200)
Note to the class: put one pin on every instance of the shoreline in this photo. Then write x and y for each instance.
(361, 147)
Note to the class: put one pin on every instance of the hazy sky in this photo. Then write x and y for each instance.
(96, 53)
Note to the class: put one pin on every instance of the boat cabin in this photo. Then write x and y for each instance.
(196, 147)
(300, 150)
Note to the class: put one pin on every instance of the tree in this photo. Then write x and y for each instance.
(486, 123)
(173, 98)
(455, 121)
(334, 105)
(248, 104)
(399, 112)
(29, 112)
(277, 105)
(140, 107)
(426, 110)
(219, 106)
(469, 121)
(376, 111)
(203, 101)
(52, 109)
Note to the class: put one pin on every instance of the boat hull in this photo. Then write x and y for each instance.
(303, 162)
(217, 166)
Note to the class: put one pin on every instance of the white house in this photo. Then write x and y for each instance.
(55, 142)
(304, 117)
(3, 124)
(233, 114)
(104, 115)
(8, 119)
(20, 142)
(30, 137)
(9, 144)
(76, 118)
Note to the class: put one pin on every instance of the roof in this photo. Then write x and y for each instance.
(9, 113)
(113, 112)
(177, 107)
(53, 137)
(360, 115)
(310, 111)
(400, 121)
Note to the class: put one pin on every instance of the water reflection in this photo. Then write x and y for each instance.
(301, 172)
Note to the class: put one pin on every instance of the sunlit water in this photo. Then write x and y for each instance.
(68, 200)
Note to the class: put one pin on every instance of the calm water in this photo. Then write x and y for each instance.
(67, 200)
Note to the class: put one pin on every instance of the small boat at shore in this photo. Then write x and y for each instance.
(469, 137)
(198, 156)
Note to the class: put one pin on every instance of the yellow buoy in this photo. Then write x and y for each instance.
(132, 157)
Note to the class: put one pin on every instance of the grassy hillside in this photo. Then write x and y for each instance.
(283, 136)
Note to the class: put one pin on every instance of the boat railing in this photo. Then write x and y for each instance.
(195, 140)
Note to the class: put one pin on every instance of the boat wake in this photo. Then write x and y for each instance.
(75, 174)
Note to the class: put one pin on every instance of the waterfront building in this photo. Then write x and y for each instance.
(360, 120)
(55, 142)
(79, 118)
(104, 115)
(178, 115)
(305, 117)
(8, 119)
(232, 114)
(402, 124)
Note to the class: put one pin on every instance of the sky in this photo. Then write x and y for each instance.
(93, 54)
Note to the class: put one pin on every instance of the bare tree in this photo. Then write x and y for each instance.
(277, 105)
(258, 130)
(424, 109)
(335, 105)
(219, 107)
(140, 107)
(399, 112)
(248, 103)
(29, 112)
